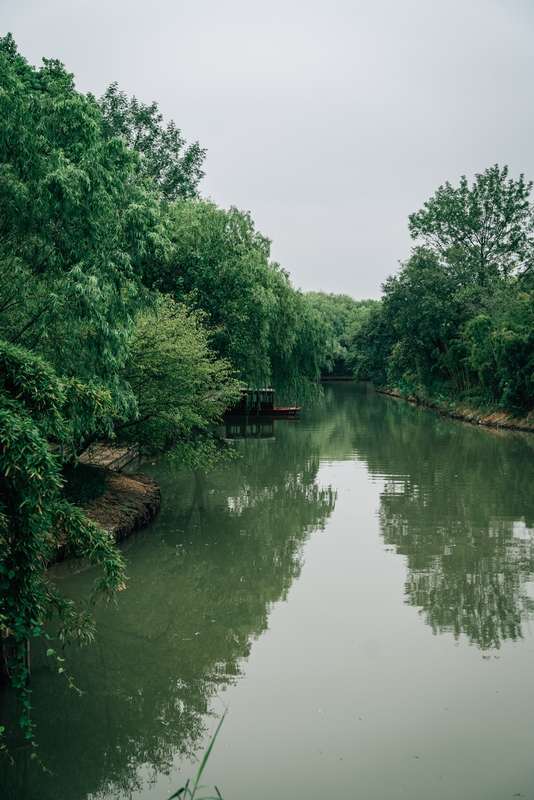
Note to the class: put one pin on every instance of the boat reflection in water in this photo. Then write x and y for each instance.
(243, 429)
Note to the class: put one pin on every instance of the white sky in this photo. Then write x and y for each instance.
(329, 121)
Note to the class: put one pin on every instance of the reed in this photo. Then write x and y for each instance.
(189, 791)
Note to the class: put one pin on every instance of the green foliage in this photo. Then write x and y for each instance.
(500, 350)
(371, 347)
(78, 225)
(425, 309)
(180, 386)
(36, 407)
(176, 172)
(489, 226)
(457, 319)
(343, 316)
(63, 411)
(220, 264)
(297, 347)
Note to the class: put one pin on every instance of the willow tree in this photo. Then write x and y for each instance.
(79, 223)
(221, 264)
(37, 410)
(175, 169)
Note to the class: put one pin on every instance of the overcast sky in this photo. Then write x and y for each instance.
(329, 121)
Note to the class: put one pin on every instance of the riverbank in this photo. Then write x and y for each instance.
(129, 503)
(491, 418)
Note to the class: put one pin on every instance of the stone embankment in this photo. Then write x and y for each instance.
(494, 418)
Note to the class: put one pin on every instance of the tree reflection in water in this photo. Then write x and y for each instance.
(457, 502)
(203, 578)
(450, 505)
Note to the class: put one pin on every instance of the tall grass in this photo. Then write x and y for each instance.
(189, 791)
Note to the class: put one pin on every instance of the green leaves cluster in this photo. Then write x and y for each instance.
(487, 229)
(78, 224)
(175, 169)
(36, 409)
(343, 317)
(457, 320)
(220, 263)
(181, 387)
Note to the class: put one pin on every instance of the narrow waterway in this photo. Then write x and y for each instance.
(356, 588)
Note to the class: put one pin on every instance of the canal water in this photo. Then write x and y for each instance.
(356, 589)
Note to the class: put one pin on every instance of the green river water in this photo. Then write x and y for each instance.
(357, 588)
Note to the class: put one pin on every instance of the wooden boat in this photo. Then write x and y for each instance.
(260, 402)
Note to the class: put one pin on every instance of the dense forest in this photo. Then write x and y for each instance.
(131, 310)
(457, 321)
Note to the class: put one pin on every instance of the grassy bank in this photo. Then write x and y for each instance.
(476, 414)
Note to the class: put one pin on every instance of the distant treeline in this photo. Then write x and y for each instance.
(457, 320)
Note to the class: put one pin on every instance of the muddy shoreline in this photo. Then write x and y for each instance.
(130, 502)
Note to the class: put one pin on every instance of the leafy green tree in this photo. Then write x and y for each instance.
(371, 345)
(500, 349)
(180, 386)
(457, 318)
(434, 336)
(417, 339)
(298, 348)
(175, 171)
(425, 305)
(488, 226)
(342, 317)
(220, 264)
(78, 225)
(36, 409)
